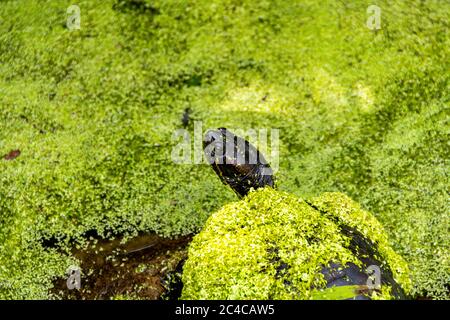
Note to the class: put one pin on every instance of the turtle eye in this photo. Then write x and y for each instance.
(213, 135)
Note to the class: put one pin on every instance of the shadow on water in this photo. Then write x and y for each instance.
(145, 267)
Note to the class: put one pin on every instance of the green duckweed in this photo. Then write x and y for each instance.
(273, 245)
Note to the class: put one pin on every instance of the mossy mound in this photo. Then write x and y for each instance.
(273, 245)
(93, 111)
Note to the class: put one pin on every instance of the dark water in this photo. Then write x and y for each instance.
(139, 268)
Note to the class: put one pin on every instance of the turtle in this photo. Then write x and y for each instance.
(309, 265)
(237, 162)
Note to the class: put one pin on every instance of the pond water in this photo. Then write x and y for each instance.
(140, 268)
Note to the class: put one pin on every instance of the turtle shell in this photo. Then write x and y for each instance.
(274, 245)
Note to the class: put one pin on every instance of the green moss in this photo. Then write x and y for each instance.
(239, 253)
(334, 293)
(93, 111)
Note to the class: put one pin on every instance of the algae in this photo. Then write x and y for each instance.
(92, 112)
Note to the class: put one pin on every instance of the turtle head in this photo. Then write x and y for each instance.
(237, 162)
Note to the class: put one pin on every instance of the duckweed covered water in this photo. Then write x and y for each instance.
(92, 112)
